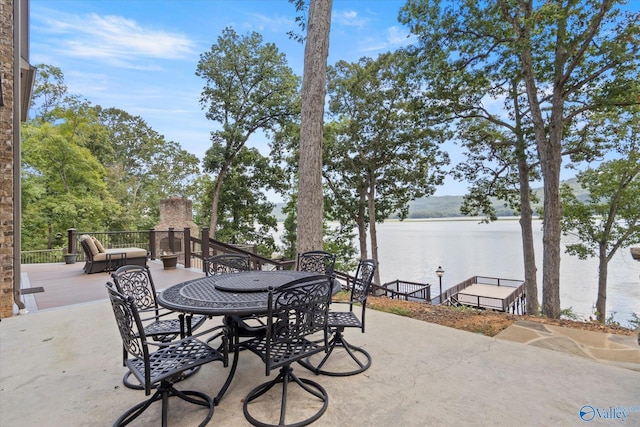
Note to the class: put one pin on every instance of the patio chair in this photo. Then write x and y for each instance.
(161, 324)
(339, 320)
(161, 368)
(296, 311)
(317, 262)
(226, 263)
(246, 326)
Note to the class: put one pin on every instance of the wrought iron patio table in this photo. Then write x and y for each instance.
(243, 293)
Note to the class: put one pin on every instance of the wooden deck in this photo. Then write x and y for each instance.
(60, 284)
(486, 296)
(489, 293)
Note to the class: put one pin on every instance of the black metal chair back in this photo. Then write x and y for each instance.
(359, 287)
(296, 311)
(136, 283)
(360, 359)
(130, 326)
(317, 262)
(161, 368)
(226, 263)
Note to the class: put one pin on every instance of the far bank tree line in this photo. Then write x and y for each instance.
(565, 77)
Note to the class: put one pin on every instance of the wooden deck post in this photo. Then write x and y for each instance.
(71, 241)
(205, 242)
(187, 247)
(152, 243)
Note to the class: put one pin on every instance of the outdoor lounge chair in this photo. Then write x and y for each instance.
(98, 259)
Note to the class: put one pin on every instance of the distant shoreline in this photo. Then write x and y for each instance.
(460, 218)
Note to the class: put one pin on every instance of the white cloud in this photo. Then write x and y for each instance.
(397, 36)
(348, 18)
(392, 38)
(260, 22)
(115, 40)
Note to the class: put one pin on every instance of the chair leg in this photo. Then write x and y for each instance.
(285, 377)
(338, 341)
(163, 393)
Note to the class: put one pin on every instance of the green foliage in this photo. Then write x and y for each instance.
(339, 241)
(248, 88)
(634, 322)
(379, 153)
(63, 187)
(245, 216)
(610, 218)
(49, 91)
(289, 236)
(143, 167)
(568, 313)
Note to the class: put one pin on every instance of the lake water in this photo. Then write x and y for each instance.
(412, 250)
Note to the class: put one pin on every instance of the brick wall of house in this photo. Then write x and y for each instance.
(6, 160)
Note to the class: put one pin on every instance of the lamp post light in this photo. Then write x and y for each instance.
(440, 273)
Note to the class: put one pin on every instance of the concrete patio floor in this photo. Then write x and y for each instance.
(62, 366)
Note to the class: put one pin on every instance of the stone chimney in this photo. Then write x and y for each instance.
(175, 213)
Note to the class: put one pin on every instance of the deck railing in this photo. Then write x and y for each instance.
(201, 248)
(45, 256)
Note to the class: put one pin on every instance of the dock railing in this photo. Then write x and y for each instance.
(406, 290)
(514, 302)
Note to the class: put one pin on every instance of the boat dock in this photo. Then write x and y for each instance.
(488, 293)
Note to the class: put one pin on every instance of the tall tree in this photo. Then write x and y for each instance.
(567, 52)
(310, 197)
(49, 91)
(609, 218)
(249, 88)
(384, 154)
(500, 163)
(143, 167)
(245, 215)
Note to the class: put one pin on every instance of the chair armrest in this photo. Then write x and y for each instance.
(162, 312)
(215, 329)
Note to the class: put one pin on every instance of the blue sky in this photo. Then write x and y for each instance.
(141, 55)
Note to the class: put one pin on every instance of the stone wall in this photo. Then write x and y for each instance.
(175, 213)
(7, 246)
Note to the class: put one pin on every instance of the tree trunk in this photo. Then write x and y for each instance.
(528, 251)
(215, 200)
(214, 208)
(526, 212)
(549, 155)
(551, 160)
(362, 233)
(601, 302)
(310, 200)
(372, 230)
